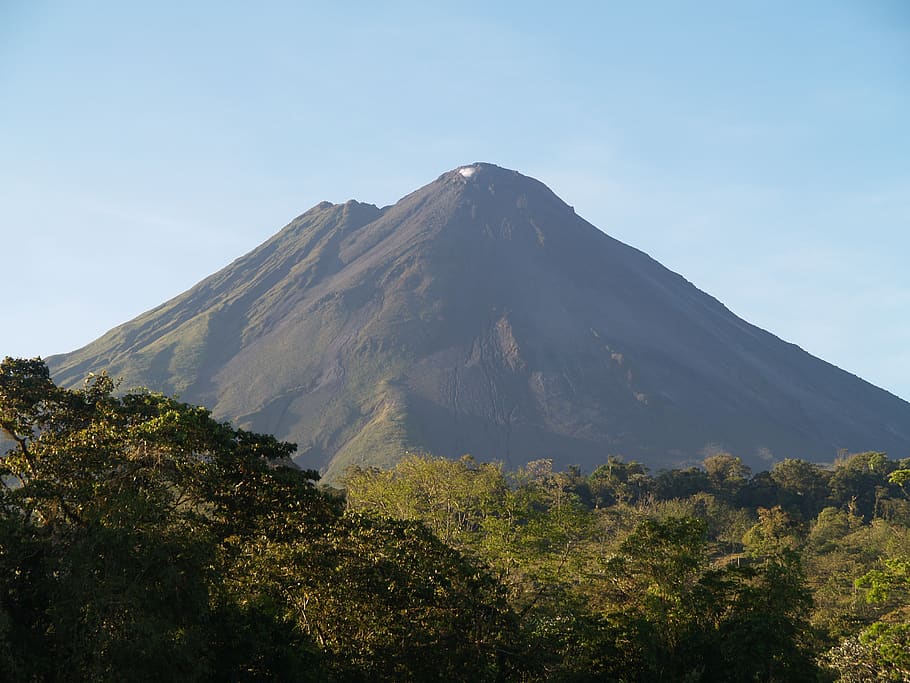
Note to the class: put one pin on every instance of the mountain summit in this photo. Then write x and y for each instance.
(481, 315)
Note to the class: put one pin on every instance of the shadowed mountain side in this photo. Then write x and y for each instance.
(480, 314)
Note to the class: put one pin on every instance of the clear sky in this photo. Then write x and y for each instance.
(760, 149)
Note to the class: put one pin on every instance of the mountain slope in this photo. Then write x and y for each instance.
(479, 314)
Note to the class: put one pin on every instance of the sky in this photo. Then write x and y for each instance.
(760, 149)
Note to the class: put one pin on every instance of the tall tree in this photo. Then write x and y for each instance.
(140, 539)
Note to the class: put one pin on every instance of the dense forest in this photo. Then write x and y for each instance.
(140, 539)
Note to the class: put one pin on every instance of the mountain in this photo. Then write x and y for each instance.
(481, 315)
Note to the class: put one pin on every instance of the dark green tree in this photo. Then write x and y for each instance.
(802, 487)
(861, 481)
(727, 475)
(115, 508)
(619, 482)
(140, 539)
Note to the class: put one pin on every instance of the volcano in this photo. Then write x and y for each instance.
(480, 314)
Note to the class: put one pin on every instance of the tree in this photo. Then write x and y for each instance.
(452, 497)
(901, 478)
(655, 597)
(141, 539)
(881, 651)
(860, 481)
(681, 483)
(889, 637)
(619, 482)
(775, 535)
(765, 633)
(683, 618)
(727, 474)
(116, 514)
(802, 486)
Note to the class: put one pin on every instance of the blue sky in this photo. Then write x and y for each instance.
(759, 149)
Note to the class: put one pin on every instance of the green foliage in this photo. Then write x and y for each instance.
(614, 592)
(776, 535)
(766, 635)
(727, 474)
(117, 517)
(861, 481)
(802, 487)
(619, 482)
(682, 483)
(901, 478)
(889, 637)
(453, 498)
(141, 539)
(892, 581)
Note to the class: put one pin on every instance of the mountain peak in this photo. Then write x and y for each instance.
(469, 170)
(486, 171)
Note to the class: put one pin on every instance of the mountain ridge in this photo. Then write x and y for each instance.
(480, 314)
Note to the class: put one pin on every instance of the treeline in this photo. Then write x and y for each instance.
(140, 539)
(708, 573)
